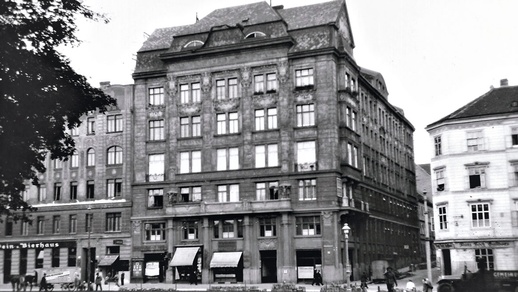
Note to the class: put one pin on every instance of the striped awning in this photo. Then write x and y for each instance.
(225, 259)
(184, 256)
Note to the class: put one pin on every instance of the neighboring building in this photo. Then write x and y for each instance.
(424, 190)
(92, 188)
(474, 179)
(257, 136)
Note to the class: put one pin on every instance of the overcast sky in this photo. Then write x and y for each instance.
(435, 55)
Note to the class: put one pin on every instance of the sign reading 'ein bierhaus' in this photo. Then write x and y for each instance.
(35, 245)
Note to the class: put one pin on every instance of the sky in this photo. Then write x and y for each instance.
(435, 55)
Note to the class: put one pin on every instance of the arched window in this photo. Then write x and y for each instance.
(195, 43)
(114, 155)
(255, 34)
(90, 157)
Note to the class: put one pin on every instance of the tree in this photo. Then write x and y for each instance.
(41, 96)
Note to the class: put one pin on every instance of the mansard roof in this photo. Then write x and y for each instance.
(248, 15)
(497, 101)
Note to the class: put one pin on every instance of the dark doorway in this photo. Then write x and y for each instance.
(268, 266)
(84, 264)
(7, 265)
(307, 262)
(446, 261)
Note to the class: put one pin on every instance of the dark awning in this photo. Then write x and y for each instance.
(108, 260)
(225, 259)
(184, 256)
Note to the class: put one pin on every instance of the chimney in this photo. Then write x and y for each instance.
(105, 84)
(503, 82)
(278, 7)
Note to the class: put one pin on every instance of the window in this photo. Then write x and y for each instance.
(74, 131)
(72, 254)
(477, 177)
(190, 126)
(40, 228)
(306, 156)
(114, 155)
(74, 159)
(475, 141)
(195, 43)
(484, 257)
(156, 167)
(190, 161)
(113, 250)
(56, 224)
(255, 34)
(228, 193)
(114, 123)
(439, 180)
(39, 257)
(267, 191)
(156, 96)
(227, 123)
(265, 83)
(267, 227)
(304, 78)
(90, 157)
(190, 194)
(155, 231)
(114, 188)
(266, 155)
(89, 219)
(352, 155)
(190, 93)
(269, 122)
(113, 222)
(480, 215)
(58, 164)
(190, 230)
(307, 226)
(73, 190)
(156, 130)
(25, 229)
(307, 189)
(57, 192)
(437, 142)
(227, 159)
(90, 126)
(9, 226)
(350, 118)
(221, 88)
(228, 228)
(42, 193)
(54, 255)
(305, 115)
(72, 227)
(90, 189)
(155, 198)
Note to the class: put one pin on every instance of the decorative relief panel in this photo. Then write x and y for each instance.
(189, 109)
(267, 244)
(206, 82)
(305, 95)
(265, 100)
(155, 112)
(88, 142)
(246, 77)
(115, 140)
(172, 85)
(283, 75)
(226, 105)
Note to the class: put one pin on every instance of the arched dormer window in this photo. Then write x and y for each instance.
(255, 34)
(194, 43)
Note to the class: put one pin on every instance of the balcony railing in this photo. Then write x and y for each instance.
(202, 207)
(355, 203)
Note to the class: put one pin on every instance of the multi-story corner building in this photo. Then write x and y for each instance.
(88, 192)
(474, 178)
(257, 137)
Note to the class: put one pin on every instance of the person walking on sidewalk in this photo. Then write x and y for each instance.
(363, 284)
(390, 277)
(427, 285)
(98, 282)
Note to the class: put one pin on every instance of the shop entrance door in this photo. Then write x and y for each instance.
(268, 266)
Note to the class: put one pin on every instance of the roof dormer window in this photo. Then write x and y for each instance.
(255, 34)
(195, 43)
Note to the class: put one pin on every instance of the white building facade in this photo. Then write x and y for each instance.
(475, 184)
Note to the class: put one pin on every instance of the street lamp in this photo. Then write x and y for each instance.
(88, 264)
(427, 238)
(346, 230)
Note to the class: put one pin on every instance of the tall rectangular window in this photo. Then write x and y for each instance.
(220, 89)
(268, 227)
(190, 126)
(305, 115)
(266, 155)
(477, 177)
(232, 88)
(72, 254)
(89, 219)
(227, 159)
(90, 157)
(56, 224)
(190, 93)
(223, 92)
(227, 123)
(73, 190)
(156, 130)
(25, 229)
(113, 222)
(156, 167)
(190, 161)
(156, 96)
(9, 226)
(90, 189)
(265, 119)
(155, 231)
(260, 120)
(267, 191)
(475, 141)
(114, 155)
(114, 123)
(228, 228)
(90, 126)
(485, 257)
(72, 224)
(155, 198)
(304, 77)
(228, 193)
(259, 84)
(40, 227)
(272, 118)
(352, 155)
(190, 230)
(439, 180)
(58, 164)
(114, 188)
(306, 156)
(308, 225)
(74, 160)
(42, 193)
(437, 142)
(39, 258)
(184, 93)
(480, 215)
(57, 191)
(190, 194)
(233, 123)
(221, 120)
(271, 82)
(307, 189)
(54, 255)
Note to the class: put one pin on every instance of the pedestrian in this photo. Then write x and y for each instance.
(363, 284)
(98, 282)
(122, 279)
(317, 278)
(410, 286)
(77, 283)
(193, 277)
(390, 278)
(43, 282)
(427, 285)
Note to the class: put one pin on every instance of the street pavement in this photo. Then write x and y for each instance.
(416, 277)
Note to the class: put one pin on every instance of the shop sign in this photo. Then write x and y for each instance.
(34, 245)
(118, 241)
(478, 244)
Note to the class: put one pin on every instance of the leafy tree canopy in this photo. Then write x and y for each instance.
(41, 96)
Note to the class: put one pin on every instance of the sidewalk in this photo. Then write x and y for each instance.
(416, 277)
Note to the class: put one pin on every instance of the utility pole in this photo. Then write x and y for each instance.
(88, 263)
(427, 238)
